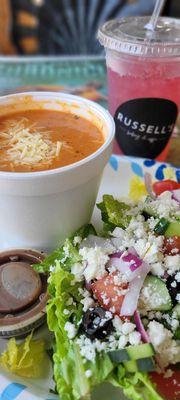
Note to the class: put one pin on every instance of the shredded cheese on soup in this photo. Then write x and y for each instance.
(28, 145)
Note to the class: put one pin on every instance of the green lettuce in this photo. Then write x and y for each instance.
(114, 213)
(137, 386)
(60, 253)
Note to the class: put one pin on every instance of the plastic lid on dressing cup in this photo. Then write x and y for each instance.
(128, 35)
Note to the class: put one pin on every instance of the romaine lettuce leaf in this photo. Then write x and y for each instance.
(114, 213)
(21, 358)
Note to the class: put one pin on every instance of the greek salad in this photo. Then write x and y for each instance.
(114, 306)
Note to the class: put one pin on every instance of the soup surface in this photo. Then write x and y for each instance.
(38, 140)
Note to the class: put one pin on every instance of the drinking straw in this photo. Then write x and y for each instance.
(151, 25)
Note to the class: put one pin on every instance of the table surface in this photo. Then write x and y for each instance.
(84, 76)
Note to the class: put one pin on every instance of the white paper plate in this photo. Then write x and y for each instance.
(116, 179)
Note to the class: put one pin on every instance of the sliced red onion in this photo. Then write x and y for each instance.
(148, 184)
(130, 301)
(140, 327)
(176, 195)
(126, 262)
(134, 261)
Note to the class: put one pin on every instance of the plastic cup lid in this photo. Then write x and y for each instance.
(129, 35)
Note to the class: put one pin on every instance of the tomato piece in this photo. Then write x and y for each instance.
(171, 243)
(108, 293)
(168, 388)
(161, 186)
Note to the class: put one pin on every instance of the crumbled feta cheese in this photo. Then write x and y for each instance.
(52, 268)
(77, 240)
(123, 341)
(108, 315)
(117, 323)
(87, 348)
(87, 302)
(119, 278)
(157, 269)
(128, 327)
(70, 329)
(77, 270)
(66, 312)
(152, 223)
(177, 277)
(167, 349)
(171, 320)
(137, 227)
(178, 297)
(88, 373)
(172, 264)
(174, 284)
(96, 261)
(66, 250)
(134, 338)
(118, 233)
(164, 205)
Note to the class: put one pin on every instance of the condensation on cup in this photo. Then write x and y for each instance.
(143, 69)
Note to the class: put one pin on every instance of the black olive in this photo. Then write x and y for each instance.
(95, 323)
(145, 215)
(174, 287)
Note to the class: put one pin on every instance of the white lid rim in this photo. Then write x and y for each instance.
(136, 46)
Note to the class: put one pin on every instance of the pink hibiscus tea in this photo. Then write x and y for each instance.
(144, 83)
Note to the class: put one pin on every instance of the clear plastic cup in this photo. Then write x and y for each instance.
(143, 70)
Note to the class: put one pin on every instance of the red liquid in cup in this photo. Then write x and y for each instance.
(140, 78)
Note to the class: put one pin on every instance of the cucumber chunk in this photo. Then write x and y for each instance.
(118, 356)
(132, 353)
(131, 366)
(155, 295)
(161, 226)
(173, 229)
(146, 364)
(142, 365)
(140, 351)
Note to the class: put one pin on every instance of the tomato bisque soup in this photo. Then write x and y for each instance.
(38, 140)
